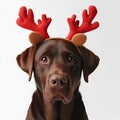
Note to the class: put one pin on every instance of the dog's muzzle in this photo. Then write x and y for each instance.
(60, 88)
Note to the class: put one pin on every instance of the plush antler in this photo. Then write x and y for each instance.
(26, 20)
(86, 25)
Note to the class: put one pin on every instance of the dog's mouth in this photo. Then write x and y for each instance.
(58, 88)
(62, 98)
(58, 99)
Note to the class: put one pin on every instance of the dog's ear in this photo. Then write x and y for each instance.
(25, 60)
(90, 61)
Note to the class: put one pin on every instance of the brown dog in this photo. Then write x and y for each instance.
(57, 65)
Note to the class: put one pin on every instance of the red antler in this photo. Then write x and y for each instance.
(86, 25)
(26, 20)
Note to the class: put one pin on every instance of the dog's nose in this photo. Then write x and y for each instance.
(58, 81)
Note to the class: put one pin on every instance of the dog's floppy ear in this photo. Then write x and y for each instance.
(90, 61)
(25, 60)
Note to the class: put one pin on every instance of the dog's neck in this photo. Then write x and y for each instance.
(50, 111)
(56, 111)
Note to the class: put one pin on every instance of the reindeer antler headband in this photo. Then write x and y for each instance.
(26, 20)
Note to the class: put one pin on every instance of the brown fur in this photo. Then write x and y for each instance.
(57, 65)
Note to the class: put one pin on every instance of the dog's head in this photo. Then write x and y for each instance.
(57, 65)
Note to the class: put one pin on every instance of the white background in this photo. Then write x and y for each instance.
(101, 95)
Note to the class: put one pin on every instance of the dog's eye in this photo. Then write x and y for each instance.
(44, 59)
(70, 58)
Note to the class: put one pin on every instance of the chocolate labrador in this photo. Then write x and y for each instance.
(57, 65)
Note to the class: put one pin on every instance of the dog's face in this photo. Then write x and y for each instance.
(57, 65)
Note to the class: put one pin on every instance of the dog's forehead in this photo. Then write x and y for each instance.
(58, 44)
